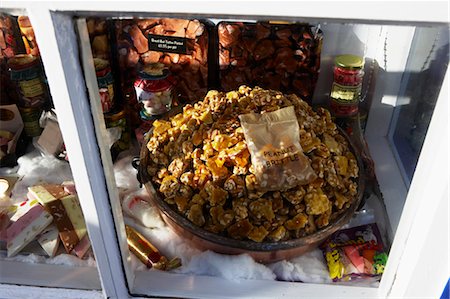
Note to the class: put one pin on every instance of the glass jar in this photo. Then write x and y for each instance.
(26, 71)
(154, 87)
(30, 117)
(117, 125)
(346, 89)
(105, 82)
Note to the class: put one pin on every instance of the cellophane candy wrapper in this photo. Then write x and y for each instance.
(355, 253)
(273, 140)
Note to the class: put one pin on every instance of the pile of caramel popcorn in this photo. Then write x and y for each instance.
(200, 164)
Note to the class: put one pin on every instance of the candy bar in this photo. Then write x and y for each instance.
(49, 240)
(47, 193)
(18, 210)
(82, 247)
(4, 223)
(26, 228)
(49, 196)
(147, 253)
(73, 210)
(69, 187)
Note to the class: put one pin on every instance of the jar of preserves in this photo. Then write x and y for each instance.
(117, 125)
(26, 71)
(105, 83)
(346, 89)
(154, 87)
(30, 117)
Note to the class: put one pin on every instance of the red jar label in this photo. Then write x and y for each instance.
(346, 91)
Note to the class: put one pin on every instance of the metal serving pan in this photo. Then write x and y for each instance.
(262, 252)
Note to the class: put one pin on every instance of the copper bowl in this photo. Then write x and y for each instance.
(264, 252)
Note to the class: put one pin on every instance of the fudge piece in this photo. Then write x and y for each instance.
(46, 193)
(73, 210)
(49, 240)
(26, 228)
(65, 210)
(82, 247)
(4, 223)
(21, 208)
(69, 187)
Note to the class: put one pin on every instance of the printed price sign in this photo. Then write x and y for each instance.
(171, 44)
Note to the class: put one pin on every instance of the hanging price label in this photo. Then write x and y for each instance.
(170, 44)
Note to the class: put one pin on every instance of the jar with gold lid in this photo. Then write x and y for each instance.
(345, 94)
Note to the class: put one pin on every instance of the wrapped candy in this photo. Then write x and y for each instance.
(147, 253)
(356, 252)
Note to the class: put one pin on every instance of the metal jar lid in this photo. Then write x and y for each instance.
(100, 64)
(349, 61)
(22, 61)
(154, 78)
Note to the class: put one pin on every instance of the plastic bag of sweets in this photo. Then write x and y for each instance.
(355, 253)
(274, 144)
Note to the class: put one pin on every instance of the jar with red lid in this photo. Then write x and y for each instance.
(154, 89)
(346, 89)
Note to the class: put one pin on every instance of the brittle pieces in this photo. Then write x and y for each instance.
(200, 164)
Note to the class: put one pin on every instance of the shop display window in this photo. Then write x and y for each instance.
(44, 237)
(226, 156)
(294, 56)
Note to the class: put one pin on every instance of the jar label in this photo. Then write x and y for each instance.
(105, 100)
(106, 90)
(31, 88)
(123, 141)
(111, 92)
(30, 118)
(105, 81)
(345, 94)
(170, 44)
(25, 74)
(32, 129)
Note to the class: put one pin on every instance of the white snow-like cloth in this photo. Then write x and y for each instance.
(231, 267)
(309, 267)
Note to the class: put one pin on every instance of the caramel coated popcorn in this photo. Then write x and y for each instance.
(200, 164)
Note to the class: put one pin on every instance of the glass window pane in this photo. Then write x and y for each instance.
(425, 71)
(137, 64)
(43, 235)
